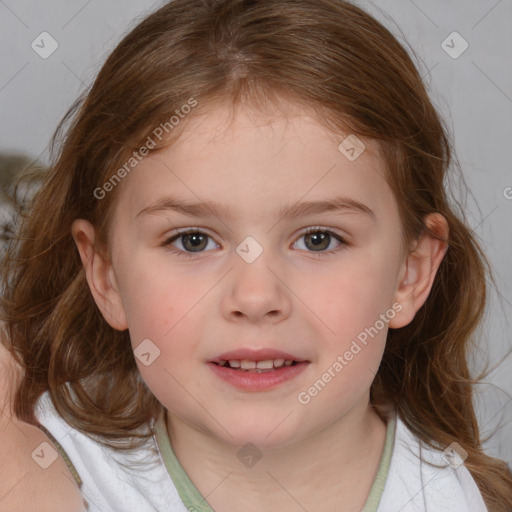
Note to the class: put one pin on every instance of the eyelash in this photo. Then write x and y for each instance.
(315, 229)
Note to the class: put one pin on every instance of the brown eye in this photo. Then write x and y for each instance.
(318, 240)
(194, 241)
(190, 242)
(321, 240)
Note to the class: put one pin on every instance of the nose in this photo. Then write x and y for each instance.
(256, 292)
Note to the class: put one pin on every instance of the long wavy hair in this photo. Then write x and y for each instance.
(328, 56)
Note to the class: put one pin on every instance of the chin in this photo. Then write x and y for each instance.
(265, 435)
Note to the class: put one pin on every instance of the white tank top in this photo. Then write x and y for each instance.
(140, 481)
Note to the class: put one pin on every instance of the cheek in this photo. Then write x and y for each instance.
(164, 345)
(348, 359)
(350, 297)
(354, 305)
(157, 300)
(162, 313)
(357, 304)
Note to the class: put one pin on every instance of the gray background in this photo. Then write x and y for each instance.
(473, 92)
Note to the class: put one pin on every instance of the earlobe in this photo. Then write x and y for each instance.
(100, 275)
(420, 268)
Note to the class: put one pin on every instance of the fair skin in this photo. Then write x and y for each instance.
(25, 485)
(319, 456)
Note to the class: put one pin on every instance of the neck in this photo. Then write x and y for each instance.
(331, 469)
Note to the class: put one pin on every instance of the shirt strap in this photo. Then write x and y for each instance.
(67, 460)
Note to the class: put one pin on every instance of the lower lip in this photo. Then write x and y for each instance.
(253, 381)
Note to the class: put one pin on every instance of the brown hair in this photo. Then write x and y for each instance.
(326, 55)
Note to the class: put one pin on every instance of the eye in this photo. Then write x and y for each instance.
(194, 241)
(191, 241)
(318, 239)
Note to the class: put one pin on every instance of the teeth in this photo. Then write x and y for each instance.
(265, 365)
(256, 365)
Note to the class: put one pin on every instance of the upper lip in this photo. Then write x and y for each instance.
(263, 354)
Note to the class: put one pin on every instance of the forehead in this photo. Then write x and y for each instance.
(250, 160)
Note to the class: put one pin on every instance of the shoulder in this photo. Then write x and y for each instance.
(33, 476)
(422, 478)
(112, 480)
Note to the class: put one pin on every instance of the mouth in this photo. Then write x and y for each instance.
(257, 370)
(246, 365)
(256, 360)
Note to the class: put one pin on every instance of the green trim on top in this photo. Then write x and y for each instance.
(188, 492)
(67, 460)
(64, 455)
(372, 503)
(193, 500)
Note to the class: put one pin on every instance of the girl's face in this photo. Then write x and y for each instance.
(249, 284)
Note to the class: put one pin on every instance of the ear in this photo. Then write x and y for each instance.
(419, 269)
(100, 275)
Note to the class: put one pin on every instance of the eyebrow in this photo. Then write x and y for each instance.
(206, 208)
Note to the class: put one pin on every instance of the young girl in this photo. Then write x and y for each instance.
(242, 285)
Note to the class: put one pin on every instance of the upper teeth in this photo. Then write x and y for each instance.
(259, 365)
